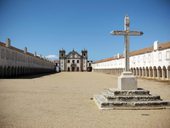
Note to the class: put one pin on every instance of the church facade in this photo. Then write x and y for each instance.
(73, 61)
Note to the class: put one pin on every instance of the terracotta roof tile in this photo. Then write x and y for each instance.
(141, 51)
(105, 60)
(2, 44)
(164, 45)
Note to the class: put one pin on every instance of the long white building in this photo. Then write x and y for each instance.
(152, 62)
(15, 62)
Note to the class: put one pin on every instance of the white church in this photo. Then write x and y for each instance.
(73, 61)
(151, 62)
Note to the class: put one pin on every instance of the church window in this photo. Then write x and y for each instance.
(77, 61)
(77, 68)
(73, 61)
(68, 61)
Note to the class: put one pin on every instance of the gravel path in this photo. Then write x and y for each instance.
(64, 101)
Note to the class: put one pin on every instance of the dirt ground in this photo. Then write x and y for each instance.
(64, 101)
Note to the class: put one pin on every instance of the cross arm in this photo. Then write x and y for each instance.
(135, 33)
(129, 33)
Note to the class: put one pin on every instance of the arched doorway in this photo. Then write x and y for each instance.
(77, 68)
(1, 72)
(164, 72)
(143, 72)
(154, 72)
(137, 71)
(150, 72)
(131, 70)
(8, 73)
(140, 71)
(159, 72)
(134, 71)
(12, 71)
(73, 67)
(15, 72)
(147, 72)
(168, 72)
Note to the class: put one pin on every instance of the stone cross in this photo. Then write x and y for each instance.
(126, 33)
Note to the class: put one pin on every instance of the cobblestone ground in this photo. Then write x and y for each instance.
(64, 101)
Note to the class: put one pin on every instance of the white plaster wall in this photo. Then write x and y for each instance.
(155, 58)
(13, 58)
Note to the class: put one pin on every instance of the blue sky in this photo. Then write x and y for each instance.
(45, 26)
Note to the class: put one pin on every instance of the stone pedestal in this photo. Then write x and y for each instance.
(127, 81)
(129, 99)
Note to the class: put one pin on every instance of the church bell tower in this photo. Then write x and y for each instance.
(62, 55)
(84, 59)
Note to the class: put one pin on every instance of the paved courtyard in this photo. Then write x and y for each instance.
(64, 101)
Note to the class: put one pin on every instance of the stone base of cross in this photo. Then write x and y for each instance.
(127, 81)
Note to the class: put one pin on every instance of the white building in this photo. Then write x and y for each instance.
(152, 62)
(73, 61)
(16, 62)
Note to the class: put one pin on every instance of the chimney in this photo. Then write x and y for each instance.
(35, 53)
(25, 50)
(8, 43)
(155, 45)
(118, 56)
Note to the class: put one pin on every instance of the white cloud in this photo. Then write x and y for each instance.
(52, 57)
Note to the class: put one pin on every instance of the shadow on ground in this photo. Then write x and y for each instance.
(32, 76)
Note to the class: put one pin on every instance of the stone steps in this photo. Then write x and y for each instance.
(129, 99)
(132, 98)
(127, 92)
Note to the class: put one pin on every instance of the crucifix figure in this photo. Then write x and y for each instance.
(127, 81)
(126, 33)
